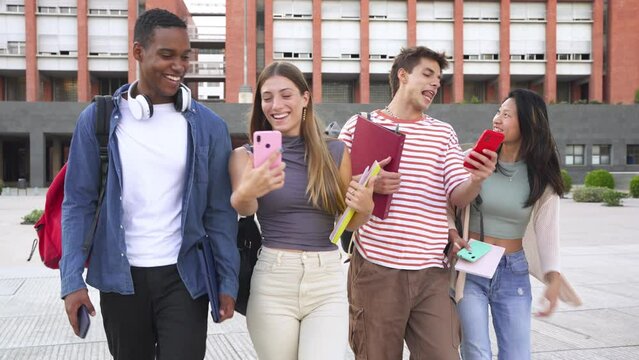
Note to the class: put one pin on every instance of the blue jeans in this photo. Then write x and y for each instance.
(509, 297)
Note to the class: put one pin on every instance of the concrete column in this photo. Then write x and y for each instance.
(31, 58)
(364, 54)
(36, 159)
(84, 87)
(550, 82)
(133, 16)
(412, 22)
(595, 91)
(504, 50)
(317, 51)
(458, 67)
(268, 31)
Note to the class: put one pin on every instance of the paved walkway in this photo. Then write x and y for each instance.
(600, 253)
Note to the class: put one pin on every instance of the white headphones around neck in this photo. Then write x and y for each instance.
(142, 108)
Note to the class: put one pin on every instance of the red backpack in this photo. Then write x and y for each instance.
(49, 227)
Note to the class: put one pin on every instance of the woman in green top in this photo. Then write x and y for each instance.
(524, 190)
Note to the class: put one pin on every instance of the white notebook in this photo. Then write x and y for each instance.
(485, 266)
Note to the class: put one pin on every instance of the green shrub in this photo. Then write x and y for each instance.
(613, 198)
(32, 217)
(637, 96)
(634, 186)
(600, 178)
(474, 100)
(567, 180)
(589, 194)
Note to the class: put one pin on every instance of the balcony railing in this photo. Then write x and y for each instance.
(207, 33)
(206, 68)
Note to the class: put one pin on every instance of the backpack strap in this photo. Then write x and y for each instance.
(367, 115)
(103, 110)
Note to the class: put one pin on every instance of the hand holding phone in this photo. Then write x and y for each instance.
(490, 140)
(264, 143)
(83, 321)
(477, 250)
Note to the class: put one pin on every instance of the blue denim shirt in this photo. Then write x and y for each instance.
(206, 209)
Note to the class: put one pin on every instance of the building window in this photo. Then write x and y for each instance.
(601, 154)
(632, 154)
(292, 55)
(15, 8)
(65, 90)
(16, 47)
(98, 11)
(15, 88)
(338, 91)
(68, 10)
(47, 10)
(379, 92)
(575, 154)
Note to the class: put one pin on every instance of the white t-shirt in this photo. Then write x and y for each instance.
(153, 154)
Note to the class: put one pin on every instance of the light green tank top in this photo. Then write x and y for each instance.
(503, 198)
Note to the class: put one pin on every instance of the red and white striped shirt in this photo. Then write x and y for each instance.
(415, 232)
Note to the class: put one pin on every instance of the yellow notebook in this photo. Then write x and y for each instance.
(347, 215)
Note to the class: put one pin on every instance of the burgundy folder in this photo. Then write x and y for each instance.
(372, 142)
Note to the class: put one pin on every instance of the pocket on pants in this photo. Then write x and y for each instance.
(519, 266)
(357, 331)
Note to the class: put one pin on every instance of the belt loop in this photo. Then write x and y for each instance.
(320, 258)
(279, 258)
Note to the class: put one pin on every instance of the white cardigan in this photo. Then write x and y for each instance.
(540, 242)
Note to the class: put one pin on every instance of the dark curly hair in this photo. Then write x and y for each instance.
(152, 19)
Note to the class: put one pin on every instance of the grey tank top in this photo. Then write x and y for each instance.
(287, 218)
(503, 198)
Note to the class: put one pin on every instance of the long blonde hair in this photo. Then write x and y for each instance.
(325, 184)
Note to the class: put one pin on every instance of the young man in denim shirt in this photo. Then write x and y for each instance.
(167, 189)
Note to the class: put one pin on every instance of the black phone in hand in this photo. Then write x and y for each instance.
(84, 321)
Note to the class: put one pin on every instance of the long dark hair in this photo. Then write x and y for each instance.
(538, 148)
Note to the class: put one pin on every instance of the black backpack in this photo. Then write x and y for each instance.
(249, 241)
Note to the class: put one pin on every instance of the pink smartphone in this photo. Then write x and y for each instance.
(264, 143)
(490, 140)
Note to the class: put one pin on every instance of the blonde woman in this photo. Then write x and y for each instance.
(298, 307)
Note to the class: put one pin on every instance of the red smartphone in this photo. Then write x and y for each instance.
(490, 140)
(264, 143)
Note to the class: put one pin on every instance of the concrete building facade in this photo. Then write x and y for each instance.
(55, 55)
(571, 51)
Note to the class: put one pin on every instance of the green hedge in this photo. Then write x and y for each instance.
(567, 180)
(32, 217)
(589, 194)
(634, 187)
(613, 198)
(599, 178)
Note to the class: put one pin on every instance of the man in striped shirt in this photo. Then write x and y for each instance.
(397, 282)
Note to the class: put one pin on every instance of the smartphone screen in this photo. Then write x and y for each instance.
(84, 321)
(264, 143)
(490, 140)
